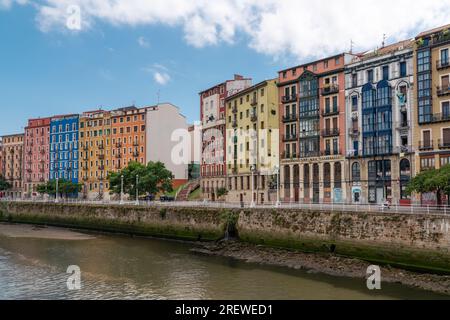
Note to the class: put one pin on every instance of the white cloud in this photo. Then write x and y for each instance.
(7, 4)
(299, 28)
(143, 42)
(161, 78)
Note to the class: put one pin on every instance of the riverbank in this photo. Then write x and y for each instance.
(41, 232)
(329, 264)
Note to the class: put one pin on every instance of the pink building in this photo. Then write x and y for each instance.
(36, 154)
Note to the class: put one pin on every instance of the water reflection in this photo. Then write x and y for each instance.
(115, 267)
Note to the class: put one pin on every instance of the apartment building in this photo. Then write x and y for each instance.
(13, 164)
(165, 127)
(128, 137)
(432, 119)
(312, 131)
(36, 155)
(379, 109)
(212, 114)
(95, 161)
(64, 151)
(252, 135)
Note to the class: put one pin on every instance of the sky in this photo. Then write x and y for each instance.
(70, 56)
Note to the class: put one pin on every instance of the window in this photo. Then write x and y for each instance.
(337, 61)
(385, 72)
(354, 80)
(325, 64)
(446, 110)
(354, 103)
(444, 57)
(402, 69)
(356, 172)
(427, 163)
(370, 76)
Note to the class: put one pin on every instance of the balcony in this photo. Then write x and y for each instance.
(443, 64)
(86, 148)
(289, 137)
(327, 153)
(43, 151)
(288, 156)
(435, 118)
(254, 101)
(136, 154)
(101, 168)
(136, 144)
(85, 178)
(254, 117)
(426, 145)
(235, 109)
(119, 145)
(403, 125)
(118, 155)
(101, 146)
(330, 89)
(85, 168)
(309, 154)
(327, 112)
(443, 91)
(234, 124)
(443, 144)
(290, 98)
(101, 157)
(289, 118)
(330, 132)
(404, 149)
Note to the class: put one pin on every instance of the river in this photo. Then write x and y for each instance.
(34, 261)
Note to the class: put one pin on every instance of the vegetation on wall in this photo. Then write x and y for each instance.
(4, 185)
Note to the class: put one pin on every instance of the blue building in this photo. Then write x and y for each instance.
(64, 148)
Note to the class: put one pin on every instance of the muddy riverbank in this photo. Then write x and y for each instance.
(328, 264)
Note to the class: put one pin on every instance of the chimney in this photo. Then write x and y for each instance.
(238, 77)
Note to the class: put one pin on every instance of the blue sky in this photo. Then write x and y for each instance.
(46, 69)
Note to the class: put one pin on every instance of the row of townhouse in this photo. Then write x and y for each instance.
(85, 148)
(351, 128)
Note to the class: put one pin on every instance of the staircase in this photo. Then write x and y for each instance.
(183, 194)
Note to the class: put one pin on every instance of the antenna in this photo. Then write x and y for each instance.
(384, 40)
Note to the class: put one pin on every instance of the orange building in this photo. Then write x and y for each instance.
(128, 136)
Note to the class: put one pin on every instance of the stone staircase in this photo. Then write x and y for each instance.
(183, 194)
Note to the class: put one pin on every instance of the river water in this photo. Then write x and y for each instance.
(118, 267)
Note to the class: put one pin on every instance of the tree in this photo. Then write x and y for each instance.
(222, 192)
(4, 185)
(154, 178)
(65, 188)
(437, 181)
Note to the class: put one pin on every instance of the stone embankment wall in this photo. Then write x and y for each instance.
(418, 241)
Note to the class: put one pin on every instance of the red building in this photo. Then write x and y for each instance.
(212, 113)
(312, 131)
(36, 155)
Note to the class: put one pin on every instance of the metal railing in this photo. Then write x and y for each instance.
(438, 210)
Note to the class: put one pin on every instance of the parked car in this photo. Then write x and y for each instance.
(149, 197)
(166, 198)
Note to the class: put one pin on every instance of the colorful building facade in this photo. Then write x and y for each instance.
(13, 164)
(64, 152)
(252, 149)
(128, 137)
(432, 117)
(95, 161)
(212, 114)
(312, 131)
(36, 155)
(379, 108)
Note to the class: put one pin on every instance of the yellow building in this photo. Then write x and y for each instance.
(252, 143)
(432, 119)
(95, 154)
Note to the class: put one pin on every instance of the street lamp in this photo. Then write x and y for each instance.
(137, 190)
(56, 198)
(277, 172)
(252, 169)
(121, 189)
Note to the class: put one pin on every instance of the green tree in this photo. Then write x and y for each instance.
(4, 185)
(222, 192)
(437, 181)
(65, 188)
(154, 178)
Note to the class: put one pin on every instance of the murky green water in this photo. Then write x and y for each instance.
(115, 267)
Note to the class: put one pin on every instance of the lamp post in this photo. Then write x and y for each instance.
(252, 203)
(121, 189)
(56, 198)
(277, 172)
(137, 190)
